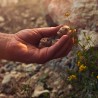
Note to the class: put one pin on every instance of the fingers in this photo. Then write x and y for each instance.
(34, 55)
(56, 48)
(49, 31)
(65, 49)
(47, 53)
(33, 36)
(30, 54)
(59, 49)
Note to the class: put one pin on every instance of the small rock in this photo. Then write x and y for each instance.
(3, 96)
(56, 82)
(37, 68)
(44, 25)
(39, 21)
(8, 89)
(46, 71)
(15, 74)
(2, 70)
(63, 30)
(54, 91)
(70, 87)
(60, 92)
(6, 79)
(33, 19)
(25, 15)
(25, 21)
(29, 67)
(4, 61)
(2, 19)
(10, 66)
(2, 24)
(19, 68)
(39, 90)
(8, 85)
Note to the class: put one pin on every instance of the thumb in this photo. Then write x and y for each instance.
(48, 31)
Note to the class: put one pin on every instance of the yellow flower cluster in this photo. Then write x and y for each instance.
(97, 77)
(82, 68)
(72, 77)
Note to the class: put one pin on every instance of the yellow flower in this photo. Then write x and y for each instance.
(79, 53)
(78, 63)
(67, 14)
(82, 68)
(73, 30)
(97, 77)
(72, 77)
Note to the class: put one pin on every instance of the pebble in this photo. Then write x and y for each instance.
(2, 19)
(37, 68)
(19, 68)
(3, 96)
(33, 18)
(4, 61)
(70, 87)
(39, 90)
(8, 89)
(56, 82)
(6, 79)
(28, 68)
(25, 15)
(39, 21)
(60, 92)
(2, 70)
(10, 66)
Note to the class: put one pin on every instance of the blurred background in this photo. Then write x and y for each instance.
(20, 14)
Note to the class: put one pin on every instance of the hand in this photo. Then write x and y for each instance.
(23, 45)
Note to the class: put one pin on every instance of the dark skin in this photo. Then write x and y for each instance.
(23, 46)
